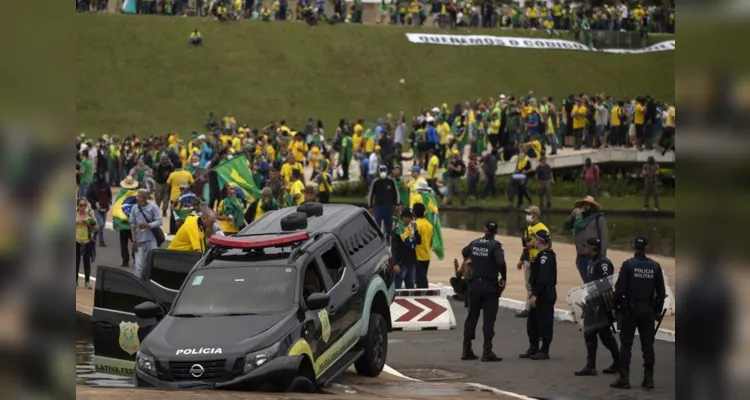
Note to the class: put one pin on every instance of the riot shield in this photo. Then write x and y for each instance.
(592, 304)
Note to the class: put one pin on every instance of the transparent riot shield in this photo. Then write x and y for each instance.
(592, 304)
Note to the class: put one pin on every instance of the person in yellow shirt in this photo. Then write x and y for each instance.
(289, 166)
(237, 141)
(270, 152)
(299, 148)
(296, 187)
(433, 167)
(494, 129)
(231, 212)
(265, 203)
(578, 113)
(425, 229)
(533, 213)
(226, 138)
(639, 119)
(283, 128)
(193, 233)
(618, 122)
(358, 137)
(667, 137)
(178, 181)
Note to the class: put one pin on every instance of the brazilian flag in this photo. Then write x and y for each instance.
(236, 171)
(124, 202)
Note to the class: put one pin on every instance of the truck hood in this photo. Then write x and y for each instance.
(213, 336)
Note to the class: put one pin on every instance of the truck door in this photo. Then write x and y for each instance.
(117, 333)
(168, 269)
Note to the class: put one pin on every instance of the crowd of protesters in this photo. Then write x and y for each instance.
(463, 141)
(613, 15)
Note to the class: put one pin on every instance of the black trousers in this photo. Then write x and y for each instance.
(540, 324)
(592, 343)
(421, 274)
(83, 253)
(646, 330)
(324, 197)
(482, 299)
(125, 238)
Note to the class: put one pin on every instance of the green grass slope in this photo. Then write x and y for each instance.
(137, 74)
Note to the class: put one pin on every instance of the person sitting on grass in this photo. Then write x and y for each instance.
(195, 38)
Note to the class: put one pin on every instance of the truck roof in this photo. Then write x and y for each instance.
(333, 218)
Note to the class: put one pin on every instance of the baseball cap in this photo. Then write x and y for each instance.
(542, 235)
(640, 243)
(593, 242)
(416, 169)
(382, 168)
(534, 210)
(491, 226)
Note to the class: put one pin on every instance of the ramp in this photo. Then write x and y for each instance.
(422, 309)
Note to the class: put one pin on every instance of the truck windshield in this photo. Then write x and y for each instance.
(237, 291)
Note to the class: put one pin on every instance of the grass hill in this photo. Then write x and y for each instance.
(137, 74)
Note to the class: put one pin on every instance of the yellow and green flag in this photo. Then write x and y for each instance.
(237, 172)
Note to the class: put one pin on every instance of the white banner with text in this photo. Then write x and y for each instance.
(527, 43)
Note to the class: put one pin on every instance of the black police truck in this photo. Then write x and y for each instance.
(288, 303)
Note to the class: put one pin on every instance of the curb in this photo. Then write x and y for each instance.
(561, 315)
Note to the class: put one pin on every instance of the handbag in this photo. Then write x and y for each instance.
(158, 233)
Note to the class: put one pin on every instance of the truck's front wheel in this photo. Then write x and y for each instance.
(301, 384)
(376, 347)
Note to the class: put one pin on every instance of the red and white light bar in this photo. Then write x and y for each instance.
(258, 241)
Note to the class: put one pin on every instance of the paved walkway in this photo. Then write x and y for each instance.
(366, 391)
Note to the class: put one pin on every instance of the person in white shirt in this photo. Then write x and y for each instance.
(372, 167)
(624, 25)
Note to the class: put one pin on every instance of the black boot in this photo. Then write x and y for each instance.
(586, 371)
(490, 356)
(522, 314)
(530, 352)
(540, 355)
(468, 353)
(648, 379)
(623, 382)
(612, 369)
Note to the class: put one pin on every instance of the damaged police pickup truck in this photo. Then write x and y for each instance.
(287, 304)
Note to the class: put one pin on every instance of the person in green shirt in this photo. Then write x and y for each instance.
(86, 173)
(345, 158)
(403, 191)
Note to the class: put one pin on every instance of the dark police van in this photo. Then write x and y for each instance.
(291, 301)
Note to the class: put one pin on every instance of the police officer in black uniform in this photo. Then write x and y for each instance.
(599, 267)
(487, 262)
(639, 300)
(541, 304)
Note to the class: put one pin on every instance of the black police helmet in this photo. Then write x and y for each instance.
(543, 236)
(490, 227)
(640, 243)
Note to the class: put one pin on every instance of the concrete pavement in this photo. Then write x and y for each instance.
(414, 355)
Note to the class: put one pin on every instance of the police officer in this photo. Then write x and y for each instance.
(599, 267)
(639, 300)
(487, 262)
(541, 302)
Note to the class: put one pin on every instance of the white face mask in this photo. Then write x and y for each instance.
(529, 219)
(383, 174)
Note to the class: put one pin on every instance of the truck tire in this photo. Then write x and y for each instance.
(301, 384)
(376, 347)
(294, 221)
(311, 209)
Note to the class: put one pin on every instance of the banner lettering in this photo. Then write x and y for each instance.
(527, 43)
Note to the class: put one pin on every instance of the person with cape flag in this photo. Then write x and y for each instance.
(325, 188)
(262, 205)
(231, 212)
(422, 194)
(123, 203)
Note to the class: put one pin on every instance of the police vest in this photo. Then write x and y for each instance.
(482, 265)
(643, 279)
